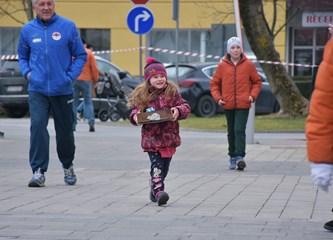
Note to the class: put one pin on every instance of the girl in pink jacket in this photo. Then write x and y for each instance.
(158, 139)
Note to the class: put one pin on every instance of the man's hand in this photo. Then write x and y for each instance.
(321, 174)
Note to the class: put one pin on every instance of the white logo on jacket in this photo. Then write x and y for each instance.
(36, 40)
(56, 36)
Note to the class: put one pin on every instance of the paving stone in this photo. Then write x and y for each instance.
(273, 199)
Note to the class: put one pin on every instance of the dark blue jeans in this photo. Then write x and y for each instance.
(40, 107)
(236, 121)
(159, 168)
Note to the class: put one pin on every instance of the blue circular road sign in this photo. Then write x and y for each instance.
(140, 20)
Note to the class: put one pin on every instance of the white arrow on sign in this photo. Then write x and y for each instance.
(145, 16)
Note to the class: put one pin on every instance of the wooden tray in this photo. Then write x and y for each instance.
(155, 116)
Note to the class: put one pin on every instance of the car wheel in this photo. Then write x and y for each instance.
(114, 116)
(206, 107)
(103, 115)
(16, 112)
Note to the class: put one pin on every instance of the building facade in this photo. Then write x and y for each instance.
(203, 29)
(307, 33)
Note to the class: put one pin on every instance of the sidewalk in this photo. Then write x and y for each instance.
(273, 199)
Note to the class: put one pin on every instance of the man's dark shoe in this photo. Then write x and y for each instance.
(37, 180)
(329, 226)
(70, 177)
(162, 198)
(91, 129)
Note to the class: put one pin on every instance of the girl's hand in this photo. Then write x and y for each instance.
(251, 99)
(175, 113)
(135, 118)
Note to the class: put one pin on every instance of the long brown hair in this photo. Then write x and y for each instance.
(144, 93)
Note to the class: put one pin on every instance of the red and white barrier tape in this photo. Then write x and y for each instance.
(200, 55)
(168, 51)
(10, 57)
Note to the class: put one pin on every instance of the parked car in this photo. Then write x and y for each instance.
(106, 66)
(14, 88)
(194, 82)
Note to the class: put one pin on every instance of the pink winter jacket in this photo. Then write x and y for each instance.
(162, 135)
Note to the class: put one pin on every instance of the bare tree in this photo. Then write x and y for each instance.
(261, 40)
(13, 9)
(261, 37)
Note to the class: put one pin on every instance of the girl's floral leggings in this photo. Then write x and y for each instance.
(159, 168)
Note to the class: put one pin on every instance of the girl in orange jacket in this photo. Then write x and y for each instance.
(234, 86)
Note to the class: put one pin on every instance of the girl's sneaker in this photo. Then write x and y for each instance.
(162, 198)
(232, 165)
(240, 164)
(152, 196)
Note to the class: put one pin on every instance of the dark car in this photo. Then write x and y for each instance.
(14, 88)
(194, 83)
(106, 66)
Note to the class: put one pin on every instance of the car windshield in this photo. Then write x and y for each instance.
(209, 71)
(105, 67)
(182, 71)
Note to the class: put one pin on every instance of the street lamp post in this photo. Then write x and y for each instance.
(250, 120)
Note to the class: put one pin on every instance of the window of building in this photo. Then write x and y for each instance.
(99, 39)
(307, 48)
(203, 42)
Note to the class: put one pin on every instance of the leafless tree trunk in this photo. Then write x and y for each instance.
(261, 40)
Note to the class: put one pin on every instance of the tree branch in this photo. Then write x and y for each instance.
(291, 16)
(11, 15)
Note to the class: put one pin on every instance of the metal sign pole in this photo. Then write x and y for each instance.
(175, 16)
(140, 56)
(250, 121)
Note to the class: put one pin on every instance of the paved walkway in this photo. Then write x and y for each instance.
(274, 199)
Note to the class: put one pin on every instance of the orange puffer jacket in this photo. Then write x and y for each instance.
(319, 123)
(234, 84)
(90, 70)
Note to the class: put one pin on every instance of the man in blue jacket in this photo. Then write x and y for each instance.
(47, 46)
